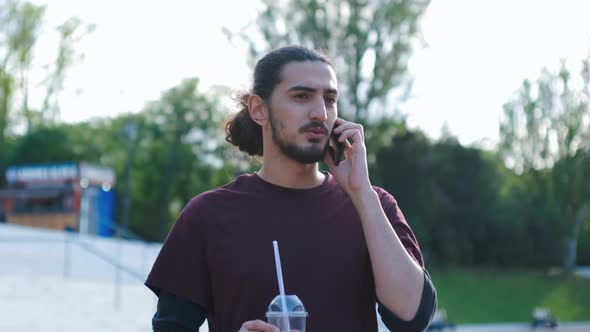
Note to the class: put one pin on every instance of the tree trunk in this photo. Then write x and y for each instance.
(164, 199)
(5, 100)
(572, 243)
(169, 175)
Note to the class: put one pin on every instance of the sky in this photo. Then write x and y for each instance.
(474, 57)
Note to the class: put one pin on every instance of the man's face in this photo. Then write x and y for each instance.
(302, 110)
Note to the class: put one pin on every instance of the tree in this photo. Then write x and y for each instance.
(546, 127)
(20, 25)
(402, 168)
(370, 41)
(6, 91)
(44, 145)
(177, 157)
(451, 195)
(71, 32)
(570, 178)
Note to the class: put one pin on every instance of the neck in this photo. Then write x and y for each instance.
(284, 172)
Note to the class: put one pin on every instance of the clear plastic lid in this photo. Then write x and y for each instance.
(295, 307)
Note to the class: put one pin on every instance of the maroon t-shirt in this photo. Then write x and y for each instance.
(219, 254)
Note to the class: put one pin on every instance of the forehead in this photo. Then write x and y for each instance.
(314, 74)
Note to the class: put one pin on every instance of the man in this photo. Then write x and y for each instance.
(345, 244)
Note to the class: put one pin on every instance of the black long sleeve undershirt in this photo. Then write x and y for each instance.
(176, 314)
(423, 315)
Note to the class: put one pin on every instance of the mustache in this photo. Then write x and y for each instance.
(314, 125)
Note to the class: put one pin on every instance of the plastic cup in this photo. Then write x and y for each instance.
(295, 311)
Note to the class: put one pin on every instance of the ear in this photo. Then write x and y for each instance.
(257, 110)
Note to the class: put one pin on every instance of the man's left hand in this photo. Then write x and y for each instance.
(352, 173)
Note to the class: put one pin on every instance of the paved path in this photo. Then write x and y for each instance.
(36, 296)
(523, 327)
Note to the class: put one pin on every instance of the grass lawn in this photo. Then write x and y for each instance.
(483, 296)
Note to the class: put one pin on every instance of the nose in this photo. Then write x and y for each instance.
(318, 111)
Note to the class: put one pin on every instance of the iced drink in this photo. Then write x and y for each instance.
(295, 310)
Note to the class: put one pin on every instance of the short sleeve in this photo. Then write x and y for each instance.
(181, 266)
(400, 225)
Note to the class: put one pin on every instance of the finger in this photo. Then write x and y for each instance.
(355, 134)
(258, 325)
(339, 121)
(347, 125)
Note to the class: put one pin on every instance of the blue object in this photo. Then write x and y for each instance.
(106, 200)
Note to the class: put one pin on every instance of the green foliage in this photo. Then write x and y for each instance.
(5, 153)
(370, 42)
(177, 156)
(44, 145)
(70, 32)
(487, 295)
(584, 246)
(467, 208)
(20, 25)
(545, 133)
(449, 194)
(538, 239)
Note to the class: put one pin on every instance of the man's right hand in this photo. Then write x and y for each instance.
(258, 326)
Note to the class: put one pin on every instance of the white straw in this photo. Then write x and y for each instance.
(281, 286)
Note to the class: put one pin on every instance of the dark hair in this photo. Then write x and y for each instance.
(240, 129)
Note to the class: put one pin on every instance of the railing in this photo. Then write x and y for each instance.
(72, 241)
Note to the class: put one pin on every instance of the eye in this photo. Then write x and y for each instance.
(301, 96)
(330, 100)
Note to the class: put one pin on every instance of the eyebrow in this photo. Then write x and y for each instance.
(310, 89)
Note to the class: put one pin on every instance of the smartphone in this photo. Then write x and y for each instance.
(337, 151)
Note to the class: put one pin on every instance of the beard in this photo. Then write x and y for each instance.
(305, 155)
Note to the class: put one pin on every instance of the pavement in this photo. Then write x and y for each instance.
(523, 327)
(55, 281)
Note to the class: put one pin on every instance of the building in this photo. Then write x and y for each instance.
(68, 196)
